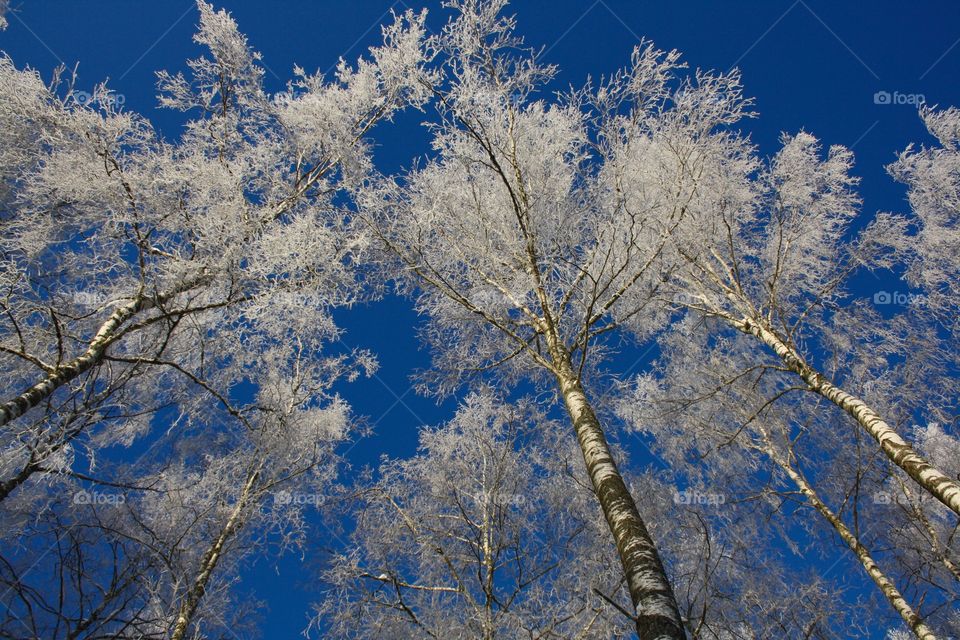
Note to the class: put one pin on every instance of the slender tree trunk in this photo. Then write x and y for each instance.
(8, 486)
(658, 617)
(489, 631)
(35, 463)
(939, 550)
(93, 355)
(488, 559)
(65, 373)
(886, 586)
(191, 600)
(898, 450)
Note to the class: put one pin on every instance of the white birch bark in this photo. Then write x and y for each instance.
(108, 332)
(9, 486)
(937, 548)
(886, 586)
(191, 600)
(489, 562)
(658, 616)
(898, 450)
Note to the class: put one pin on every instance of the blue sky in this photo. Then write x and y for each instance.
(826, 67)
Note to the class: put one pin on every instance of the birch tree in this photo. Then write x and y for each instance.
(486, 533)
(774, 268)
(522, 248)
(492, 531)
(181, 525)
(146, 280)
(924, 538)
(933, 252)
(712, 395)
(288, 449)
(137, 272)
(115, 239)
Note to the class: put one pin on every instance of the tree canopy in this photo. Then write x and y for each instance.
(171, 346)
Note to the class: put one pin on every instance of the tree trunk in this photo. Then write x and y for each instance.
(64, 373)
(898, 450)
(889, 590)
(37, 456)
(8, 486)
(939, 550)
(658, 617)
(191, 600)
